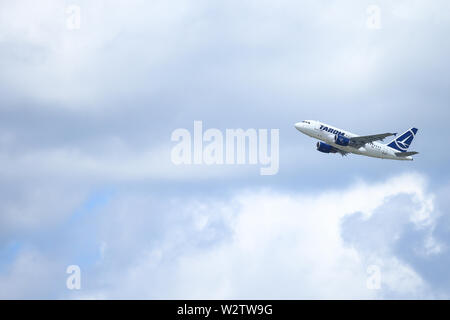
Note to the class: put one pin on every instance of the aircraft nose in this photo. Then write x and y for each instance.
(298, 126)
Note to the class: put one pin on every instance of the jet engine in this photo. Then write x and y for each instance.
(325, 148)
(341, 140)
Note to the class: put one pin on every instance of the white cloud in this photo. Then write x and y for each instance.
(31, 275)
(276, 245)
(36, 207)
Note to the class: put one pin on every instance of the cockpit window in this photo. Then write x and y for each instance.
(304, 121)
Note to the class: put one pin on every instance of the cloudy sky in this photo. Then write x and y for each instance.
(91, 91)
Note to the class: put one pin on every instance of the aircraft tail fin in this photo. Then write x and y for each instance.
(402, 143)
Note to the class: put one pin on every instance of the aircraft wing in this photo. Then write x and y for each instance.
(358, 142)
(342, 152)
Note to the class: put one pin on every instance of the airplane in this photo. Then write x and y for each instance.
(334, 140)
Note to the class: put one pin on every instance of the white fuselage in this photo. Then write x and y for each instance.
(326, 133)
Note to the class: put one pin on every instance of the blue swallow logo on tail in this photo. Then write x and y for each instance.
(403, 141)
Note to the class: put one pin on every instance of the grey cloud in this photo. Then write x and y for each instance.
(389, 231)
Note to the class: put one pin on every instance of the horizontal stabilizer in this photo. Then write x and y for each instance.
(406, 154)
